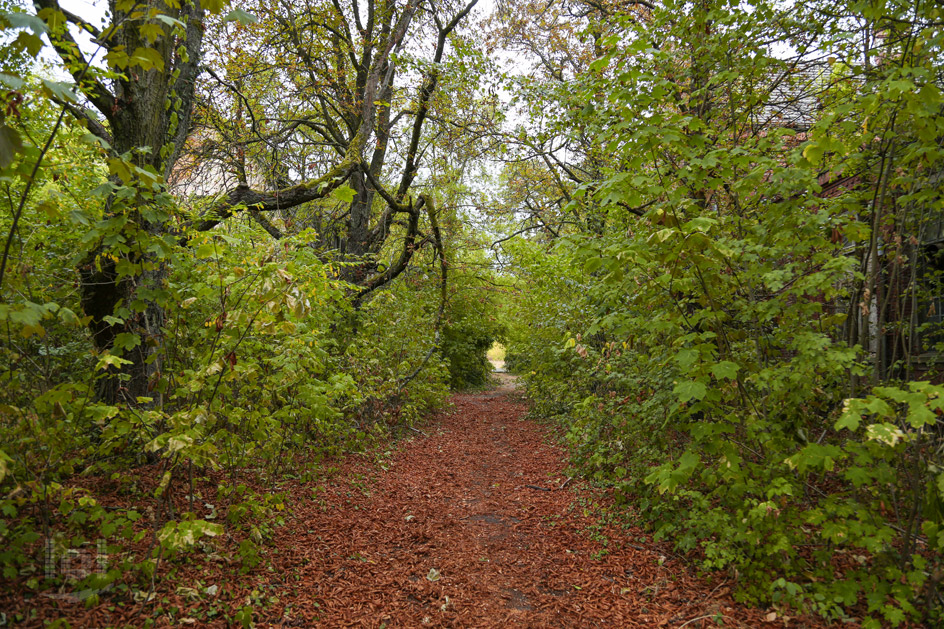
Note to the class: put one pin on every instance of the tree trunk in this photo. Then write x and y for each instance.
(148, 114)
(103, 294)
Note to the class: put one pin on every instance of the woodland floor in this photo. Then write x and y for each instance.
(473, 523)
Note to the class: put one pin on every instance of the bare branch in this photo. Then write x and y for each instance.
(68, 50)
(426, 92)
(239, 94)
(82, 23)
(279, 199)
(410, 246)
(92, 123)
(266, 224)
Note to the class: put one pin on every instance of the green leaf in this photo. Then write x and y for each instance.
(900, 86)
(55, 20)
(919, 415)
(878, 406)
(690, 390)
(813, 152)
(59, 91)
(688, 461)
(28, 314)
(91, 138)
(699, 224)
(29, 42)
(599, 64)
(858, 476)
(815, 456)
(6, 465)
(24, 20)
(344, 194)
(170, 21)
(10, 145)
(11, 81)
(126, 340)
(686, 358)
(851, 415)
(725, 369)
(238, 15)
(206, 250)
(68, 317)
(593, 264)
(893, 615)
(120, 169)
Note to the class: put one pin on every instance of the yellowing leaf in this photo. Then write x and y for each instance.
(147, 59)
(214, 6)
(344, 194)
(151, 32)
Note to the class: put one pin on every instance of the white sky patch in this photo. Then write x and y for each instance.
(92, 11)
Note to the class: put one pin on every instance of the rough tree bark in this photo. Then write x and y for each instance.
(145, 114)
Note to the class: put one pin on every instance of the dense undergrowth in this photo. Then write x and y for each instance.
(732, 340)
(807, 504)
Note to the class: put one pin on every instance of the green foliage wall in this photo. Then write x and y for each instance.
(472, 325)
(265, 371)
(708, 350)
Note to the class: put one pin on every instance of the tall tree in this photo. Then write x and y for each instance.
(554, 148)
(323, 95)
(138, 105)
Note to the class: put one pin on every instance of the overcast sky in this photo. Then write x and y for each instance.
(94, 11)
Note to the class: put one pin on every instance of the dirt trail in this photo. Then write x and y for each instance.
(469, 526)
(472, 523)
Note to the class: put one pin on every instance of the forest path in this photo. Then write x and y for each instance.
(475, 524)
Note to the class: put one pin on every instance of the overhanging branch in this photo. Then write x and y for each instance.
(68, 50)
(244, 196)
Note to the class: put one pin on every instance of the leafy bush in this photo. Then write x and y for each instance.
(710, 347)
(472, 326)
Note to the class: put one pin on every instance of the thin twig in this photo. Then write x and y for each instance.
(701, 618)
